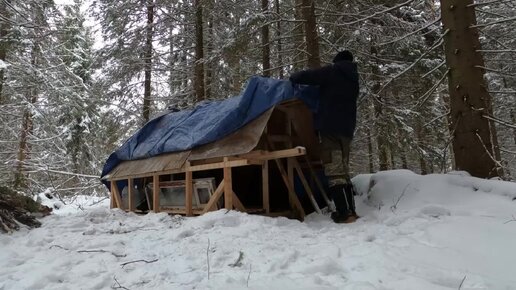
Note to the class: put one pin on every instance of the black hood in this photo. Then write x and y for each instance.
(348, 68)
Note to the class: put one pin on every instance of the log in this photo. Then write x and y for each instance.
(16, 209)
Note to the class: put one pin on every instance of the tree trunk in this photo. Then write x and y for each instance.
(370, 152)
(279, 44)
(298, 36)
(473, 145)
(266, 51)
(148, 61)
(199, 53)
(4, 42)
(209, 66)
(311, 35)
(20, 179)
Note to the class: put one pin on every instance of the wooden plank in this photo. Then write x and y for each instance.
(292, 194)
(237, 203)
(155, 193)
(265, 187)
(269, 155)
(189, 192)
(318, 183)
(116, 193)
(306, 185)
(228, 186)
(214, 198)
(195, 211)
(130, 194)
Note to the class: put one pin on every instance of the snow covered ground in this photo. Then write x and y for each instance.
(416, 232)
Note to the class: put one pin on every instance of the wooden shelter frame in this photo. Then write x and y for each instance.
(288, 170)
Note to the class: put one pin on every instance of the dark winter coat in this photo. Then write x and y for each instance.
(338, 90)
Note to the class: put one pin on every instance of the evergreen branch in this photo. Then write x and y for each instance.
(412, 33)
(378, 13)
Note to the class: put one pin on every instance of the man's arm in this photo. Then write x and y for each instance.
(314, 77)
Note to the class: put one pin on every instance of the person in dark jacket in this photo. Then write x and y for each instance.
(335, 121)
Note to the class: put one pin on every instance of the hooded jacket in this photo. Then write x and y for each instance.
(338, 92)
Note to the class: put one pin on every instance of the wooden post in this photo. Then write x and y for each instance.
(130, 194)
(214, 198)
(265, 186)
(292, 194)
(116, 194)
(155, 193)
(189, 191)
(112, 199)
(290, 175)
(318, 183)
(228, 186)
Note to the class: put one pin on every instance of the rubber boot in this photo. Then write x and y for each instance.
(343, 214)
(350, 196)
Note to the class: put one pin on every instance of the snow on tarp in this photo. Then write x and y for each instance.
(209, 121)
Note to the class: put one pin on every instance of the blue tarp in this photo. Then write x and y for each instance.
(209, 121)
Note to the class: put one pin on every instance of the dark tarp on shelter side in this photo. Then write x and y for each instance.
(209, 121)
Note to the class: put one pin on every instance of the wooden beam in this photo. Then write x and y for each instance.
(112, 200)
(116, 193)
(237, 203)
(265, 187)
(155, 193)
(269, 155)
(228, 186)
(318, 183)
(189, 192)
(214, 198)
(292, 194)
(195, 211)
(130, 194)
(306, 185)
(227, 163)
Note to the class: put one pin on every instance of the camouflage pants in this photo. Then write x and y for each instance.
(336, 149)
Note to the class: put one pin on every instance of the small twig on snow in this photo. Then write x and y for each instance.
(513, 220)
(249, 275)
(58, 246)
(238, 262)
(101, 251)
(208, 258)
(393, 207)
(118, 286)
(462, 282)
(136, 261)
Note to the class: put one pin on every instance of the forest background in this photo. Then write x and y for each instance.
(438, 78)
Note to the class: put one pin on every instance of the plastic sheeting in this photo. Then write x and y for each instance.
(209, 121)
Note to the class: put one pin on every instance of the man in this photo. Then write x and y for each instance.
(335, 121)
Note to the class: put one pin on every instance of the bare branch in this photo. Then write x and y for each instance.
(428, 93)
(136, 261)
(513, 220)
(487, 3)
(502, 122)
(495, 51)
(489, 153)
(434, 69)
(462, 282)
(493, 23)
(378, 13)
